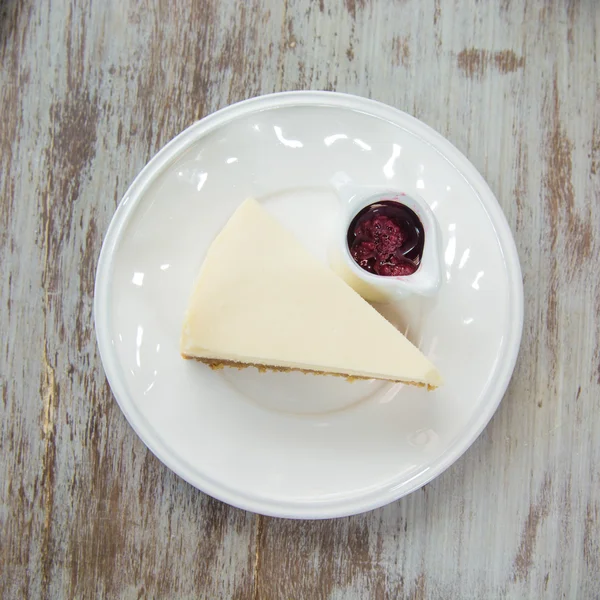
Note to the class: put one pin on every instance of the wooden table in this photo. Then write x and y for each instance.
(90, 91)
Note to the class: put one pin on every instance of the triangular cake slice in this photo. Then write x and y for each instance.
(263, 300)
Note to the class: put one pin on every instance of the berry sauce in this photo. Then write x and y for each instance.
(387, 238)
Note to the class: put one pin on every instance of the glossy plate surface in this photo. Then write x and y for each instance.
(288, 444)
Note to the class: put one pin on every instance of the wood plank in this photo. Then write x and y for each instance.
(89, 512)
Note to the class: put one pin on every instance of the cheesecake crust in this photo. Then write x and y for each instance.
(216, 364)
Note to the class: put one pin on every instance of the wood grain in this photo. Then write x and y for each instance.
(89, 91)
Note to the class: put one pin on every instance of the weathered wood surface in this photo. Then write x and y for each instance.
(89, 91)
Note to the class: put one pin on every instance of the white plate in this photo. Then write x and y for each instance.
(297, 445)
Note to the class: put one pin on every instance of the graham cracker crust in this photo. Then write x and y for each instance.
(216, 364)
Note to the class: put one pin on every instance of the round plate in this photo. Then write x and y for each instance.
(289, 444)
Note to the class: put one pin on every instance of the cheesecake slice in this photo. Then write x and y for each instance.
(262, 300)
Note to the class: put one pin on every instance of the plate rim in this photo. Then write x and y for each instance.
(169, 152)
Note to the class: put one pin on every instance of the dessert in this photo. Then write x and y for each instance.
(387, 238)
(262, 300)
